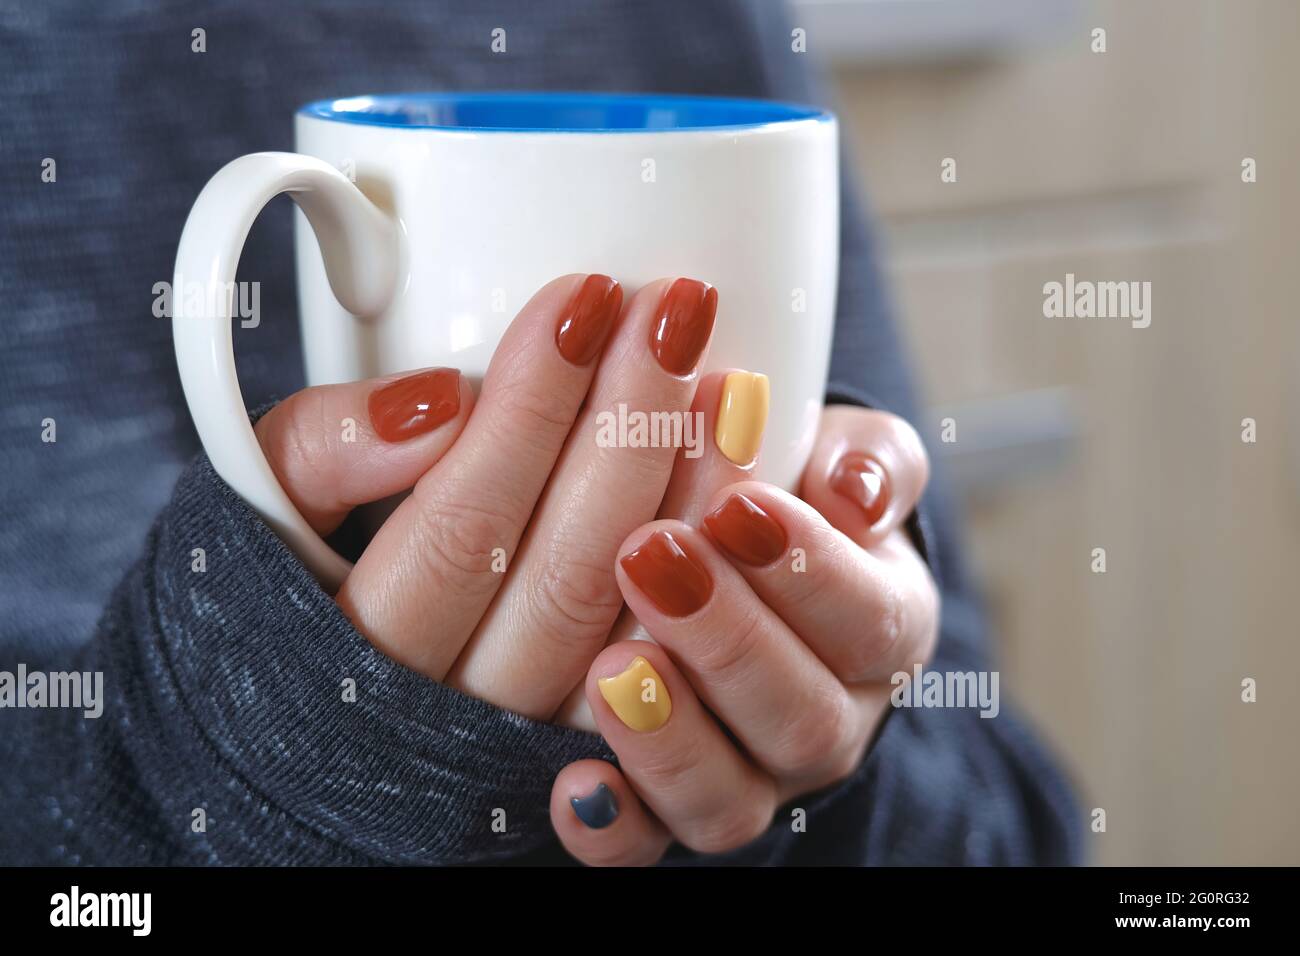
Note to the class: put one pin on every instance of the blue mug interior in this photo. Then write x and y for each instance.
(558, 112)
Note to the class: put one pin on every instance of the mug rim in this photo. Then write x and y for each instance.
(658, 112)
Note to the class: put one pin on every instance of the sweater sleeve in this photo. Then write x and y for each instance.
(245, 721)
(952, 785)
(941, 785)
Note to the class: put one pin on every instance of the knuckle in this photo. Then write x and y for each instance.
(819, 739)
(879, 644)
(731, 827)
(819, 586)
(730, 651)
(461, 537)
(646, 466)
(304, 444)
(907, 625)
(670, 770)
(549, 412)
(575, 599)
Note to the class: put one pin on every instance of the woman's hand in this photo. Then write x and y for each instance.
(777, 619)
(496, 574)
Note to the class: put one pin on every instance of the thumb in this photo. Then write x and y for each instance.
(334, 447)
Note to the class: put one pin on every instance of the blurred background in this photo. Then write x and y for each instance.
(1077, 434)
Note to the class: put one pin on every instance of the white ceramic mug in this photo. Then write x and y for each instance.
(456, 208)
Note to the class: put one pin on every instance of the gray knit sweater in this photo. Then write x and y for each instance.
(223, 691)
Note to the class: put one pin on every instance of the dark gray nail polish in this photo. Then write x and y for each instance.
(597, 809)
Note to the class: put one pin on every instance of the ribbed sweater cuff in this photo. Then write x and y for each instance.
(259, 663)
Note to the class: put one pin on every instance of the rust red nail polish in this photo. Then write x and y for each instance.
(589, 317)
(746, 532)
(674, 581)
(682, 328)
(414, 405)
(862, 480)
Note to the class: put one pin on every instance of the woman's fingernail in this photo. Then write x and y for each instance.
(588, 319)
(637, 696)
(862, 480)
(682, 328)
(742, 416)
(746, 532)
(677, 583)
(597, 809)
(415, 404)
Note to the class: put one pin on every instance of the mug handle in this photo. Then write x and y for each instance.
(359, 245)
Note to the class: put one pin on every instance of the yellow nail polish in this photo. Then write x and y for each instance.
(742, 416)
(638, 696)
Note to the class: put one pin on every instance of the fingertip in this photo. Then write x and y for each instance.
(733, 404)
(867, 472)
(589, 318)
(600, 820)
(629, 687)
(333, 447)
(587, 793)
(748, 523)
(416, 403)
(645, 532)
(665, 563)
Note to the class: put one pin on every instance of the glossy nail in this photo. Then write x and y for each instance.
(597, 809)
(742, 416)
(414, 405)
(682, 328)
(638, 696)
(746, 532)
(862, 480)
(589, 317)
(674, 581)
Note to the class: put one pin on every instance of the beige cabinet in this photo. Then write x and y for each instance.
(1123, 166)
